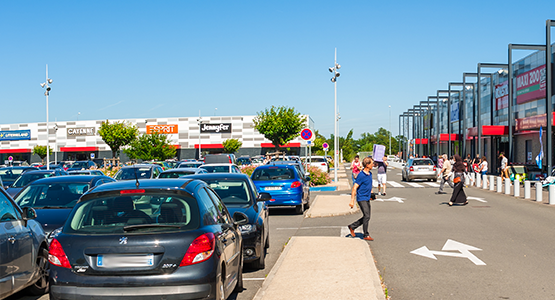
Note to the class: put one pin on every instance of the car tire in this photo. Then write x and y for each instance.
(220, 290)
(307, 205)
(267, 244)
(299, 209)
(41, 286)
(239, 286)
(260, 263)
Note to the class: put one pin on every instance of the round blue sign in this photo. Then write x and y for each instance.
(306, 134)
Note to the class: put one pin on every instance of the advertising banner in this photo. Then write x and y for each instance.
(378, 152)
(163, 129)
(14, 135)
(455, 112)
(81, 131)
(531, 85)
(502, 95)
(215, 128)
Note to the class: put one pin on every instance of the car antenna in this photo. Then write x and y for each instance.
(136, 179)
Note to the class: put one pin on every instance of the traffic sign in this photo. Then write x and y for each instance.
(325, 146)
(92, 155)
(10, 158)
(306, 134)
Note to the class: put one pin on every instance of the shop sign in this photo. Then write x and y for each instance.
(502, 95)
(531, 85)
(14, 135)
(81, 131)
(163, 129)
(215, 128)
(455, 112)
(532, 122)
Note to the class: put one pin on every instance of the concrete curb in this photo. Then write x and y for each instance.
(309, 214)
(260, 294)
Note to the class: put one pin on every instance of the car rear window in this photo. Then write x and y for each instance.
(28, 178)
(216, 169)
(423, 162)
(52, 195)
(231, 192)
(175, 174)
(148, 212)
(130, 173)
(273, 173)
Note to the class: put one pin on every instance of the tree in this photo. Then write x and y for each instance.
(231, 145)
(117, 135)
(41, 152)
(154, 146)
(279, 124)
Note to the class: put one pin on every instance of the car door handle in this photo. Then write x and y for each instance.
(11, 239)
(224, 240)
(233, 238)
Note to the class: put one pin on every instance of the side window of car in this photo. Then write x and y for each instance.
(211, 216)
(8, 212)
(220, 207)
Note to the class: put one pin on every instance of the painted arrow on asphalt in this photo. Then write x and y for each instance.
(394, 199)
(450, 245)
(476, 198)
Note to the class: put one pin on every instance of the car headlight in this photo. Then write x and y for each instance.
(247, 228)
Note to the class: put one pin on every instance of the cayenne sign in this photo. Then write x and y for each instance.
(81, 131)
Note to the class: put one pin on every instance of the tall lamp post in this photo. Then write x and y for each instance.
(47, 87)
(390, 130)
(549, 92)
(336, 74)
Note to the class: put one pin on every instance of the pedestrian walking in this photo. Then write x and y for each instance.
(476, 164)
(504, 166)
(356, 167)
(458, 196)
(445, 174)
(484, 169)
(382, 175)
(362, 192)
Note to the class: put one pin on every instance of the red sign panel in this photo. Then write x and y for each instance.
(164, 129)
(531, 85)
(502, 95)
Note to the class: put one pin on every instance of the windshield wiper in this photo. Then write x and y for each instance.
(142, 226)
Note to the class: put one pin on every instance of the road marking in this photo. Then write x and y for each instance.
(374, 183)
(395, 184)
(313, 227)
(345, 232)
(476, 198)
(399, 174)
(393, 199)
(414, 184)
(254, 278)
(451, 245)
(432, 184)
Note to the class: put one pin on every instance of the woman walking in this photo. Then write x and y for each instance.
(484, 170)
(356, 167)
(458, 195)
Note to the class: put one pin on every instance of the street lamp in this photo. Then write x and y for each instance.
(199, 120)
(390, 130)
(47, 87)
(336, 74)
(549, 92)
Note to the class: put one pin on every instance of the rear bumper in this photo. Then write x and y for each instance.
(198, 291)
(423, 175)
(286, 200)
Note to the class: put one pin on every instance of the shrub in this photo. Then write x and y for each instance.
(110, 171)
(318, 177)
(245, 169)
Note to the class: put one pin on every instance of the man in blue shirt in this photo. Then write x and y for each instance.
(362, 192)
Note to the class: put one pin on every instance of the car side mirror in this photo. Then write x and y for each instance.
(308, 178)
(264, 197)
(240, 218)
(29, 213)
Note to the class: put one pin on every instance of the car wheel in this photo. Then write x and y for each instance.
(239, 285)
(260, 263)
(220, 292)
(41, 286)
(307, 205)
(267, 244)
(299, 209)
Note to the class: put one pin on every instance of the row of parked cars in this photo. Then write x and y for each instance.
(93, 236)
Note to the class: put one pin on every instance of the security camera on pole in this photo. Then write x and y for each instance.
(336, 74)
(45, 85)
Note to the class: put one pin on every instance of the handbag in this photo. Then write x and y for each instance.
(457, 179)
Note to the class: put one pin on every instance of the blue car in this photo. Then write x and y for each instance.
(285, 184)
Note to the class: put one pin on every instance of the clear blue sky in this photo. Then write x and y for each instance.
(138, 59)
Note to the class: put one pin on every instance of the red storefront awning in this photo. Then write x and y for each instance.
(445, 137)
(78, 149)
(22, 150)
(421, 141)
(209, 146)
(290, 145)
(495, 130)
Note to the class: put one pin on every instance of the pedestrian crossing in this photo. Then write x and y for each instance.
(395, 184)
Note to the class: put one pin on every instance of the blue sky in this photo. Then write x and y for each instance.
(138, 59)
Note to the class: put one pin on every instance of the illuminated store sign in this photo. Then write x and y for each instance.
(531, 85)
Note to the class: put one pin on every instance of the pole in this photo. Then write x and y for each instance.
(199, 131)
(335, 139)
(47, 125)
(390, 130)
(549, 92)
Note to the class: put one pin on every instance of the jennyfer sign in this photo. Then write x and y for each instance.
(531, 85)
(13, 135)
(215, 128)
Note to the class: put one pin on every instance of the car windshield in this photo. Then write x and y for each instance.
(132, 173)
(175, 174)
(135, 213)
(317, 159)
(80, 164)
(216, 169)
(231, 192)
(25, 179)
(273, 173)
(52, 195)
(422, 162)
(189, 165)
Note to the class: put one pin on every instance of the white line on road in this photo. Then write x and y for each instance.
(314, 227)
(432, 184)
(254, 278)
(414, 184)
(345, 232)
(395, 184)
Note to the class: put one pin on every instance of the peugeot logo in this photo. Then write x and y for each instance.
(123, 240)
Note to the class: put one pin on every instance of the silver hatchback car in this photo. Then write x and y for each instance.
(419, 168)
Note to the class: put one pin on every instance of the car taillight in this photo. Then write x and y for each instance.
(136, 191)
(57, 256)
(296, 184)
(435, 168)
(200, 250)
(323, 164)
(411, 169)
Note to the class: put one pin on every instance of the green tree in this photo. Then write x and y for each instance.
(154, 146)
(41, 152)
(231, 145)
(117, 135)
(279, 124)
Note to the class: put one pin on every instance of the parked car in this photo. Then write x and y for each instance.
(305, 175)
(221, 168)
(285, 185)
(23, 250)
(10, 174)
(165, 239)
(31, 176)
(172, 163)
(189, 164)
(61, 164)
(246, 161)
(239, 194)
(82, 165)
(219, 158)
(319, 162)
(54, 197)
(419, 168)
(165, 166)
(140, 171)
(86, 172)
(176, 173)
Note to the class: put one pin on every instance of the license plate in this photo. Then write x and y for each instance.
(124, 260)
(272, 188)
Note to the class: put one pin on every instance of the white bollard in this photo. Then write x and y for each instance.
(527, 187)
(499, 185)
(538, 192)
(507, 186)
(466, 180)
(485, 182)
(516, 187)
(491, 183)
(552, 194)
(478, 180)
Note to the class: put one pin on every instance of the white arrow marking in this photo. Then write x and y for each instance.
(464, 251)
(476, 198)
(394, 199)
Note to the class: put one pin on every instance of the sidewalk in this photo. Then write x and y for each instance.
(325, 267)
